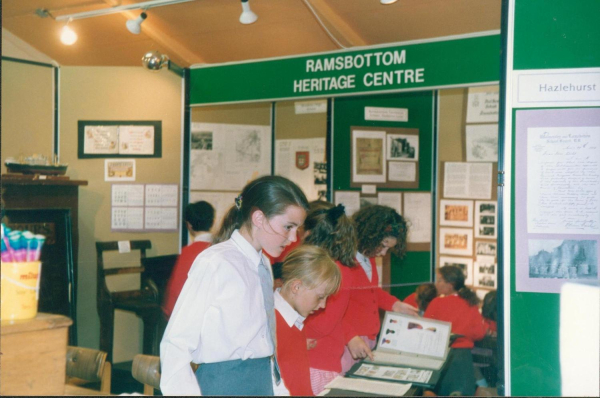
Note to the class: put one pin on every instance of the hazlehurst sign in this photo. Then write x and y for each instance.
(398, 67)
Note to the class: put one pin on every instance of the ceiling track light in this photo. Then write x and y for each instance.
(247, 16)
(114, 10)
(135, 25)
(68, 36)
(155, 61)
(386, 2)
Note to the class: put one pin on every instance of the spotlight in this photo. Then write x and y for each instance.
(154, 60)
(135, 25)
(247, 16)
(387, 1)
(68, 35)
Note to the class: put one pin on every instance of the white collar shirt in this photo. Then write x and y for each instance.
(287, 312)
(365, 263)
(219, 316)
(203, 237)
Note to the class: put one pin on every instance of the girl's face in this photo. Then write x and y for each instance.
(385, 245)
(306, 301)
(443, 287)
(279, 231)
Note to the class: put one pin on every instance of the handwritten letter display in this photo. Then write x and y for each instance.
(563, 180)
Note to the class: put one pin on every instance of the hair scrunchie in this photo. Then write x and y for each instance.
(336, 212)
(238, 202)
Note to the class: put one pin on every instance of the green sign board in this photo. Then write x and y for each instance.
(397, 67)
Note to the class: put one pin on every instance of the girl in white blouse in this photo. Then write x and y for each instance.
(222, 319)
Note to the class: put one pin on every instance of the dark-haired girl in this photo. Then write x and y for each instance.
(224, 317)
(379, 229)
(458, 305)
(422, 297)
(330, 229)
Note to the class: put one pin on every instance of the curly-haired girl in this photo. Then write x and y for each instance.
(330, 229)
(379, 229)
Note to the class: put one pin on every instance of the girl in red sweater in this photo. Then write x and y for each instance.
(379, 229)
(330, 229)
(458, 305)
(422, 297)
(309, 276)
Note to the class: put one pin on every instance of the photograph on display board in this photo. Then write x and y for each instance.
(202, 140)
(486, 219)
(483, 104)
(402, 147)
(485, 249)
(457, 241)
(464, 263)
(456, 213)
(563, 259)
(484, 274)
(368, 157)
(482, 143)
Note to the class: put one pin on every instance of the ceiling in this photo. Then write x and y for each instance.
(209, 31)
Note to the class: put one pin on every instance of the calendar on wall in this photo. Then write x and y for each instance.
(144, 207)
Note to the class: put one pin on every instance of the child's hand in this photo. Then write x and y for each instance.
(311, 343)
(359, 349)
(404, 308)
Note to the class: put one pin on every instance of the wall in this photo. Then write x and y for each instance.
(116, 93)
(27, 110)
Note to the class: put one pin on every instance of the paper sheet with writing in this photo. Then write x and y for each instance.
(394, 373)
(417, 211)
(467, 180)
(563, 180)
(369, 386)
(413, 335)
(303, 161)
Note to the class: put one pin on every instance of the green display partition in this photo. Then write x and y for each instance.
(549, 43)
(415, 268)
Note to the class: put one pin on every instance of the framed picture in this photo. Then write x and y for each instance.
(403, 147)
(486, 219)
(119, 170)
(457, 241)
(485, 249)
(368, 160)
(456, 213)
(485, 274)
(464, 263)
(119, 139)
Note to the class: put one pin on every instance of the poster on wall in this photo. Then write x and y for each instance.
(557, 192)
(456, 213)
(391, 199)
(224, 157)
(119, 170)
(464, 180)
(303, 161)
(417, 212)
(119, 139)
(483, 104)
(482, 142)
(368, 156)
(350, 200)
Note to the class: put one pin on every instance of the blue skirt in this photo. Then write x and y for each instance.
(237, 377)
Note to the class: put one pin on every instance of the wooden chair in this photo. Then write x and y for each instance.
(146, 370)
(87, 366)
(144, 302)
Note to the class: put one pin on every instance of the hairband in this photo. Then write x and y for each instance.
(238, 202)
(336, 212)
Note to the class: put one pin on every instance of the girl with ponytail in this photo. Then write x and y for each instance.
(224, 318)
(457, 304)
